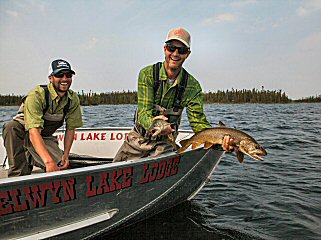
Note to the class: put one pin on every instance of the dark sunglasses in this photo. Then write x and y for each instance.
(61, 75)
(181, 50)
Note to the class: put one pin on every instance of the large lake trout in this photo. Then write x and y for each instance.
(243, 143)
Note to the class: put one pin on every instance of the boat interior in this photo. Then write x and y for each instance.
(76, 161)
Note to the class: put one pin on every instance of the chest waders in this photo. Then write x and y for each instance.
(173, 114)
(52, 121)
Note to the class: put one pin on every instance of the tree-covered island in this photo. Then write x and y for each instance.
(219, 96)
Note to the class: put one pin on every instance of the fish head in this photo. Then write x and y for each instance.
(157, 126)
(252, 149)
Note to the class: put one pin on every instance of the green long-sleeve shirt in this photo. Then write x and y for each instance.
(192, 99)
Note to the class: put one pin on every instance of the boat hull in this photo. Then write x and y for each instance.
(86, 202)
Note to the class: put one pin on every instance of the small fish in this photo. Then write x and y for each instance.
(156, 127)
(244, 143)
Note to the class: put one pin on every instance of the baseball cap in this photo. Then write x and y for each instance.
(59, 65)
(181, 35)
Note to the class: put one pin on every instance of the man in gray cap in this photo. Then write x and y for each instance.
(28, 137)
(164, 90)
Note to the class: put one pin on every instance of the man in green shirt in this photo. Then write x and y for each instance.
(28, 137)
(161, 104)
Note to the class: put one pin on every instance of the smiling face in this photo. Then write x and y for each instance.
(173, 59)
(61, 81)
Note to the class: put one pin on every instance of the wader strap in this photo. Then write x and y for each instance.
(156, 69)
(47, 97)
(66, 108)
(180, 88)
(180, 91)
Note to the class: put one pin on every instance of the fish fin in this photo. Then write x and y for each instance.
(208, 145)
(195, 145)
(221, 124)
(240, 156)
(185, 144)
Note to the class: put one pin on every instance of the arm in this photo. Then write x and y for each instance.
(195, 112)
(73, 121)
(197, 117)
(145, 97)
(69, 139)
(41, 149)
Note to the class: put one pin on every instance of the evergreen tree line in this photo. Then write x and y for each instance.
(247, 96)
(10, 100)
(316, 99)
(130, 97)
(113, 98)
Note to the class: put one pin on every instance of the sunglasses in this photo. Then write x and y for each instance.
(61, 75)
(181, 50)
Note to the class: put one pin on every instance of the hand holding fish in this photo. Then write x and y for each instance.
(160, 126)
(228, 144)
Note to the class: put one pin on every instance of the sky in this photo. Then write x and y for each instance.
(235, 44)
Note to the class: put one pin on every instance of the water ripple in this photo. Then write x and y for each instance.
(278, 198)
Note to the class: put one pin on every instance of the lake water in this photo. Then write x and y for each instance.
(279, 198)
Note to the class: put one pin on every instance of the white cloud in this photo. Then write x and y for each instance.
(91, 43)
(301, 11)
(12, 13)
(226, 17)
(309, 7)
(242, 3)
(311, 43)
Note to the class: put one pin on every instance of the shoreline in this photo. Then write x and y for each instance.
(216, 103)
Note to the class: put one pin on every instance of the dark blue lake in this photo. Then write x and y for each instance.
(279, 198)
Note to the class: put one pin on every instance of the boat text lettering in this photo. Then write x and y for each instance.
(17, 200)
(159, 170)
(95, 136)
(109, 182)
(48, 194)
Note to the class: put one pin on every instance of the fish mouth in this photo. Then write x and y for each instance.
(257, 155)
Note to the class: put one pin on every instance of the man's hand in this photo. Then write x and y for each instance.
(52, 167)
(65, 162)
(228, 144)
(161, 117)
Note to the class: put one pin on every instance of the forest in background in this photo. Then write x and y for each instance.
(227, 96)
